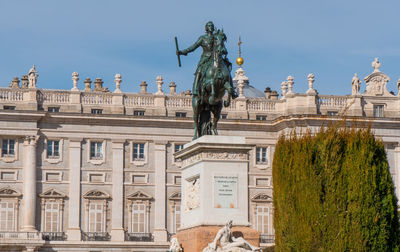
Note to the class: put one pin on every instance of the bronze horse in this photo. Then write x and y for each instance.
(212, 89)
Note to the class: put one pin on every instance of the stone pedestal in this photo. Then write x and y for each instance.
(197, 238)
(214, 190)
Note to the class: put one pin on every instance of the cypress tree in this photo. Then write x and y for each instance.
(333, 192)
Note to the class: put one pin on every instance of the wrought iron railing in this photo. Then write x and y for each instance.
(95, 236)
(54, 236)
(266, 238)
(144, 237)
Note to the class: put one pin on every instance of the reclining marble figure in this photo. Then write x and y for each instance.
(228, 243)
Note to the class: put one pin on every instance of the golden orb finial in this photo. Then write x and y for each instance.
(240, 60)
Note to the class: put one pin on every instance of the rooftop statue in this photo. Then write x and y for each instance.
(228, 243)
(32, 77)
(212, 79)
(355, 85)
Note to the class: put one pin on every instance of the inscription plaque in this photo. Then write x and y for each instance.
(225, 191)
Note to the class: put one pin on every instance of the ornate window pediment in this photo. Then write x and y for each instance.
(9, 192)
(52, 193)
(96, 194)
(175, 196)
(139, 196)
(261, 197)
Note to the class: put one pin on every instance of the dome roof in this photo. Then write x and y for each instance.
(248, 90)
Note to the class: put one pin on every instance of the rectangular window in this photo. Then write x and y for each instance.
(224, 116)
(53, 109)
(379, 110)
(261, 117)
(138, 113)
(97, 111)
(139, 218)
(7, 210)
(8, 147)
(138, 151)
(180, 114)
(96, 150)
(261, 155)
(51, 216)
(178, 147)
(96, 217)
(9, 107)
(177, 218)
(53, 149)
(262, 219)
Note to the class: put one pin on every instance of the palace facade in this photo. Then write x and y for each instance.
(94, 170)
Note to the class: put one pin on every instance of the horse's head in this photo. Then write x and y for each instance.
(220, 39)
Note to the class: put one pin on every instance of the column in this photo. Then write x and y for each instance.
(29, 184)
(117, 226)
(74, 206)
(160, 231)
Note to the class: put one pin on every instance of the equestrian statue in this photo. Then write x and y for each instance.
(212, 79)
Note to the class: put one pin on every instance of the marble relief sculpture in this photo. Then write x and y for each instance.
(193, 194)
(228, 243)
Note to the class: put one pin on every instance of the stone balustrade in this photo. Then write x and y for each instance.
(332, 101)
(296, 103)
(11, 95)
(138, 100)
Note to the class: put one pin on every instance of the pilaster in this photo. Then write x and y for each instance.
(74, 224)
(117, 229)
(160, 231)
(312, 104)
(29, 184)
(117, 102)
(397, 169)
(355, 106)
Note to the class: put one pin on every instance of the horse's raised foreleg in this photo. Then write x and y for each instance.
(195, 104)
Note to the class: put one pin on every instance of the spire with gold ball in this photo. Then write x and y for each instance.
(239, 60)
(240, 76)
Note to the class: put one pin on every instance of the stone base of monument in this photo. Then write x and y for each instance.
(214, 190)
(197, 238)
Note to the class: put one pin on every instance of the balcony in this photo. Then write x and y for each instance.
(266, 238)
(95, 236)
(19, 235)
(141, 237)
(54, 236)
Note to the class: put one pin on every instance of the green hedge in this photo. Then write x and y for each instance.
(333, 192)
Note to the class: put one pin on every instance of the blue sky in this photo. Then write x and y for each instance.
(332, 39)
